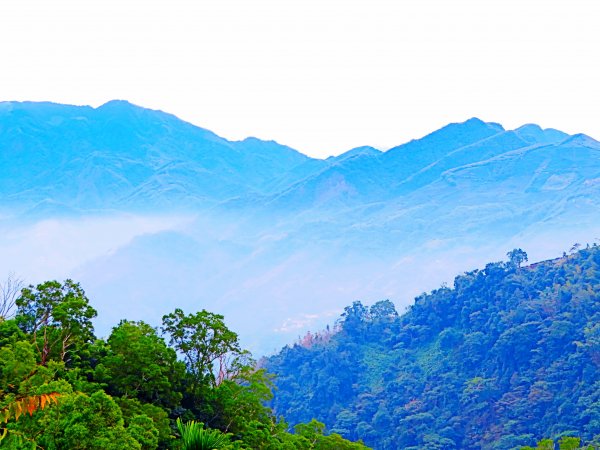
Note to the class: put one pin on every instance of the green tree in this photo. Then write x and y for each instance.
(238, 402)
(142, 429)
(383, 309)
(569, 443)
(78, 422)
(57, 317)
(516, 257)
(132, 408)
(139, 364)
(314, 433)
(211, 351)
(86, 422)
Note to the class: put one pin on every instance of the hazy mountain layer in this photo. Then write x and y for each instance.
(120, 156)
(150, 212)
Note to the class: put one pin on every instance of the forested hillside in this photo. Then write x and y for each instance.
(63, 389)
(508, 355)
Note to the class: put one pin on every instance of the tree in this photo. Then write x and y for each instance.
(383, 309)
(239, 402)
(516, 257)
(569, 443)
(57, 317)
(355, 315)
(139, 364)
(9, 290)
(92, 422)
(132, 409)
(212, 352)
(143, 430)
(314, 433)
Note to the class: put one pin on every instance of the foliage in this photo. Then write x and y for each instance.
(313, 432)
(27, 404)
(212, 351)
(138, 364)
(195, 437)
(57, 317)
(30, 404)
(126, 392)
(133, 409)
(565, 443)
(142, 429)
(509, 353)
(517, 257)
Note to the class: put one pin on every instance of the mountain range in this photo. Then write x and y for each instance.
(150, 213)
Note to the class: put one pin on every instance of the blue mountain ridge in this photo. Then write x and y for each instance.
(125, 157)
(150, 213)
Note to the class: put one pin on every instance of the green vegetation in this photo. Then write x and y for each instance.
(195, 437)
(565, 443)
(61, 388)
(509, 355)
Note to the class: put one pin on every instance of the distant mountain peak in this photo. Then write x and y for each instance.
(126, 107)
(530, 127)
(474, 126)
(581, 139)
(535, 134)
(357, 151)
(447, 139)
(476, 122)
(472, 121)
(123, 107)
(258, 141)
(117, 103)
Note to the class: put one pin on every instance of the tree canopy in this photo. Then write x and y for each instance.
(61, 388)
(509, 355)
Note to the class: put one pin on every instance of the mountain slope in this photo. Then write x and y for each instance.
(126, 157)
(507, 355)
(369, 176)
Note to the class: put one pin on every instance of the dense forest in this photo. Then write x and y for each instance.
(507, 356)
(188, 385)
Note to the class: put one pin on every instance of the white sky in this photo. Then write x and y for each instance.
(322, 76)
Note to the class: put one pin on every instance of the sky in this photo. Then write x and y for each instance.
(322, 76)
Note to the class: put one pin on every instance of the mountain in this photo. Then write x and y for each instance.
(120, 156)
(355, 152)
(506, 356)
(150, 213)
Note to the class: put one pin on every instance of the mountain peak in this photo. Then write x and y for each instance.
(118, 105)
(581, 140)
(473, 128)
(476, 122)
(534, 134)
(116, 102)
(530, 128)
(357, 151)
(447, 139)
